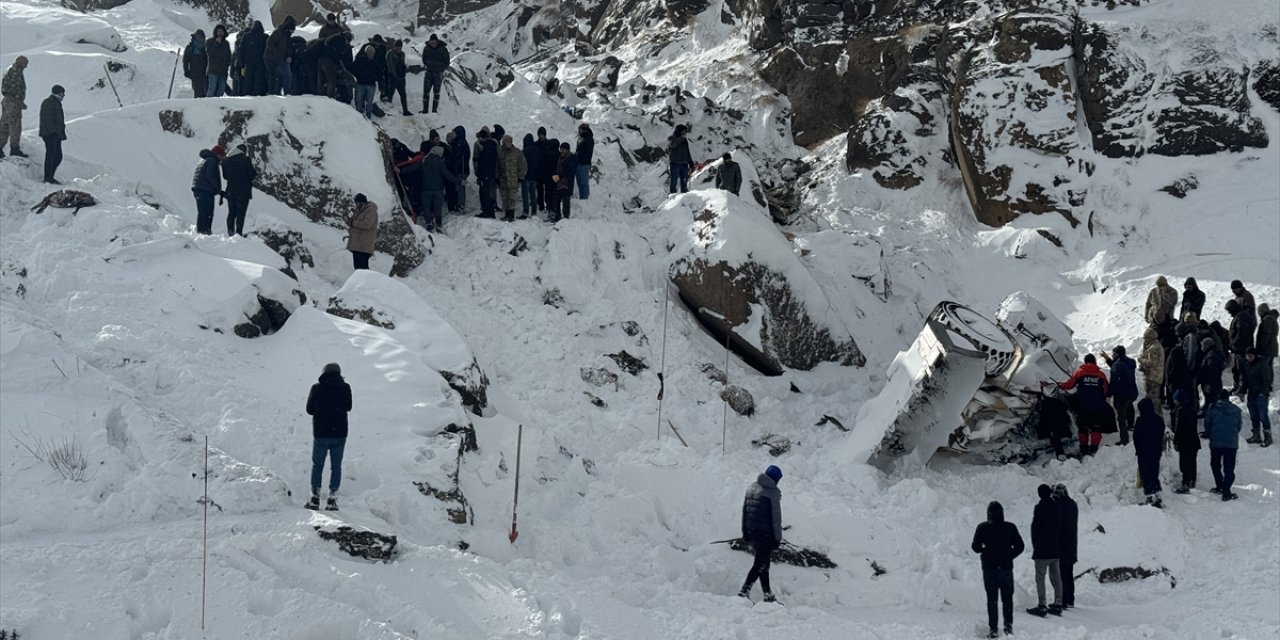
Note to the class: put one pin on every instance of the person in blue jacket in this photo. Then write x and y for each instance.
(1222, 422)
(1124, 389)
(762, 528)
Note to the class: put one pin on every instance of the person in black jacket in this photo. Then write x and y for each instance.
(1123, 388)
(195, 64)
(1148, 445)
(206, 183)
(1209, 373)
(277, 58)
(584, 153)
(566, 169)
(239, 173)
(251, 47)
(529, 182)
(435, 62)
(1240, 339)
(999, 543)
(328, 405)
(397, 72)
(550, 154)
(366, 70)
(458, 160)
(485, 159)
(762, 528)
(1192, 299)
(1055, 421)
(680, 158)
(1046, 550)
(218, 62)
(729, 175)
(1070, 544)
(53, 130)
(1186, 437)
(1179, 374)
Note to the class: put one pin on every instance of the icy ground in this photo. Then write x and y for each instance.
(107, 335)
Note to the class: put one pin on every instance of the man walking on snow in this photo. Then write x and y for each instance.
(1070, 513)
(999, 543)
(1046, 549)
(328, 404)
(762, 528)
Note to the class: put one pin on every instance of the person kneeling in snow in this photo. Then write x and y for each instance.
(328, 405)
(1148, 445)
(762, 528)
(999, 543)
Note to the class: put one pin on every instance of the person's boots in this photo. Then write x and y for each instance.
(1, 153)
(314, 502)
(435, 103)
(768, 597)
(1266, 438)
(1254, 438)
(1008, 629)
(16, 152)
(332, 504)
(993, 633)
(1055, 609)
(745, 592)
(511, 215)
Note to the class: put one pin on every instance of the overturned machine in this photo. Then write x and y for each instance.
(966, 386)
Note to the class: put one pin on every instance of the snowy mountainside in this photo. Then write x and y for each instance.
(101, 338)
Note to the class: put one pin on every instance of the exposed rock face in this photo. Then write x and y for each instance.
(369, 545)
(303, 10)
(1266, 82)
(268, 315)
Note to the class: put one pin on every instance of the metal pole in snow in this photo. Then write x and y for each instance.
(113, 84)
(662, 384)
(176, 57)
(204, 571)
(516, 499)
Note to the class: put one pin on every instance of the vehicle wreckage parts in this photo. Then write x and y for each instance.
(1001, 349)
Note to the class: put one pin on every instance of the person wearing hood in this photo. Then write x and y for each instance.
(729, 175)
(584, 152)
(1091, 403)
(1186, 438)
(1070, 513)
(195, 64)
(512, 169)
(435, 62)
(1179, 376)
(251, 46)
(1222, 422)
(239, 172)
(458, 160)
(433, 175)
(566, 168)
(1240, 338)
(762, 528)
(999, 543)
(328, 405)
(1151, 365)
(219, 63)
(1268, 339)
(397, 74)
(362, 231)
(13, 101)
(680, 159)
(1244, 297)
(1161, 301)
(1124, 389)
(1209, 373)
(53, 130)
(1148, 446)
(1192, 299)
(529, 181)
(205, 184)
(278, 59)
(1258, 382)
(484, 157)
(1046, 550)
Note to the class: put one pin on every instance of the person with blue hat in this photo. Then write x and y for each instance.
(762, 528)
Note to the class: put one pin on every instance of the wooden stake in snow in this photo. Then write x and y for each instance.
(204, 554)
(113, 84)
(662, 369)
(515, 501)
(172, 76)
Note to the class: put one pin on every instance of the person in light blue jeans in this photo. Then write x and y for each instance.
(328, 405)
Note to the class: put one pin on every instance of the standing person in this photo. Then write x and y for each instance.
(584, 152)
(546, 168)
(1161, 301)
(1244, 297)
(13, 100)
(397, 73)
(195, 64)
(1268, 338)
(680, 158)
(365, 68)
(1148, 445)
(53, 130)
(330, 26)
(1124, 389)
(205, 184)
(239, 172)
(566, 168)
(1091, 403)
(1151, 365)
(729, 176)
(1259, 381)
(328, 405)
(513, 169)
(1222, 422)
(435, 61)
(762, 528)
(1055, 420)
(219, 52)
(529, 182)
(1070, 512)
(485, 158)
(278, 59)
(458, 160)
(251, 47)
(1209, 373)
(999, 543)
(1192, 299)
(362, 231)
(1186, 438)
(1046, 549)
(1179, 376)
(1240, 338)
(433, 176)
(380, 49)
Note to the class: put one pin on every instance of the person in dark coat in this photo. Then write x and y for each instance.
(397, 73)
(435, 62)
(729, 175)
(251, 48)
(53, 130)
(999, 543)
(1192, 299)
(1148, 446)
(1070, 544)
(219, 64)
(458, 160)
(485, 161)
(1091, 403)
(195, 64)
(380, 48)
(328, 405)
(1055, 421)
(1209, 373)
(362, 231)
(205, 184)
(1179, 376)
(680, 159)
(584, 153)
(304, 65)
(1244, 297)
(1124, 389)
(1186, 437)
(762, 528)
(1240, 340)
(1268, 338)
(277, 58)
(566, 168)
(1258, 382)
(549, 156)
(239, 173)
(529, 182)
(333, 63)
(330, 27)
(433, 176)
(1222, 422)
(1046, 550)
(366, 69)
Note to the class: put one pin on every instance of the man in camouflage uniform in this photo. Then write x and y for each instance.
(1161, 302)
(14, 91)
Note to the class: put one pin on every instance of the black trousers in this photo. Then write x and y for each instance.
(1124, 418)
(204, 212)
(562, 205)
(1067, 570)
(397, 85)
(763, 544)
(1187, 465)
(1223, 464)
(236, 208)
(998, 582)
(52, 156)
(361, 259)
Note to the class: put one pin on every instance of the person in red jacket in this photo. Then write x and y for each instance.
(1091, 388)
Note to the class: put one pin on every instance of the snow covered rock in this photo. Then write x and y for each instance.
(358, 543)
